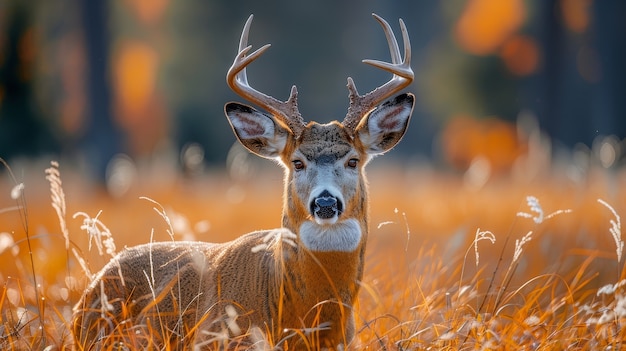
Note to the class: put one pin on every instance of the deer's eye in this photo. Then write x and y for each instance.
(352, 163)
(298, 165)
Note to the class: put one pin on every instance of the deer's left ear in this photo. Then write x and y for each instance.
(383, 128)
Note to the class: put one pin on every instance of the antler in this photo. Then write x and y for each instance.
(402, 77)
(287, 111)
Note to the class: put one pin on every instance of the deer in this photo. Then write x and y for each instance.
(298, 283)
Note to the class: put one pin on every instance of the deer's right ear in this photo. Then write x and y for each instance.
(383, 128)
(257, 131)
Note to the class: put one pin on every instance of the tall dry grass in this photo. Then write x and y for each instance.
(512, 264)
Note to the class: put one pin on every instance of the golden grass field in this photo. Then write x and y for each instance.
(423, 288)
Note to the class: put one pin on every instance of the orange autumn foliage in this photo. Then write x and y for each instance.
(485, 24)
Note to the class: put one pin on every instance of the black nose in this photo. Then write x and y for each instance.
(326, 206)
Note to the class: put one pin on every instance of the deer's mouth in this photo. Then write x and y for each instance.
(326, 208)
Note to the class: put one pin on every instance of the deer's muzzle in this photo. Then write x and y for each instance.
(326, 206)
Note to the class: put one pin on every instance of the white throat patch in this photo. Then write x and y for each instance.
(343, 236)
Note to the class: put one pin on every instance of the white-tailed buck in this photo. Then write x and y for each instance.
(296, 284)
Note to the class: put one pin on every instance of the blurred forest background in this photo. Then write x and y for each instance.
(98, 83)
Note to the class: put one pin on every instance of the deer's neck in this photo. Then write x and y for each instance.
(331, 255)
(325, 265)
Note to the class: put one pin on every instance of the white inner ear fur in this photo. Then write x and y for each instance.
(252, 125)
(383, 120)
(275, 145)
(256, 125)
(388, 119)
(343, 236)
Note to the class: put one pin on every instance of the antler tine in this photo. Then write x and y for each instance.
(285, 111)
(394, 50)
(402, 77)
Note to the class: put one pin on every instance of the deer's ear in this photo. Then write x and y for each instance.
(385, 125)
(257, 131)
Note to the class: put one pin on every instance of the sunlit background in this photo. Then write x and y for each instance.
(116, 86)
(514, 98)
